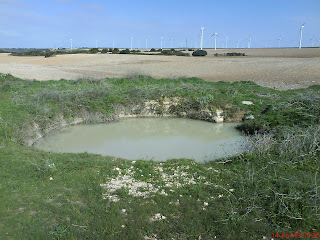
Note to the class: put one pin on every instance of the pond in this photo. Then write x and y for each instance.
(157, 139)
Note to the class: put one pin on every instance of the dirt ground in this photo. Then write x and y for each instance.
(276, 68)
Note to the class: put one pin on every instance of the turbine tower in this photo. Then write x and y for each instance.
(131, 42)
(312, 39)
(161, 38)
(71, 43)
(201, 42)
(238, 44)
(279, 40)
(301, 29)
(215, 40)
(146, 43)
(171, 41)
(249, 42)
(226, 41)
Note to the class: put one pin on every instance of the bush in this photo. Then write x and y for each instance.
(105, 50)
(153, 50)
(182, 54)
(199, 53)
(125, 51)
(49, 54)
(168, 52)
(190, 49)
(94, 50)
(229, 54)
(236, 54)
(115, 51)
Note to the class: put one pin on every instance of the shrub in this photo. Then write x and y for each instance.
(168, 52)
(125, 51)
(49, 54)
(94, 50)
(190, 49)
(199, 53)
(236, 54)
(182, 54)
(105, 50)
(115, 51)
(153, 50)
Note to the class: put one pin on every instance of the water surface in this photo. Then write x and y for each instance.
(149, 138)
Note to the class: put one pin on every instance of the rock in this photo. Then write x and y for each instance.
(249, 117)
(218, 118)
(247, 102)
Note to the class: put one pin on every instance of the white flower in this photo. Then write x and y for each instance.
(206, 204)
(220, 196)
(231, 190)
(122, 226)
(124, 210)
(51, 178)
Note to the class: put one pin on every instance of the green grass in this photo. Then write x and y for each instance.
(272, 188)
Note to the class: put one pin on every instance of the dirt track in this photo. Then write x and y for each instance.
(276, 68)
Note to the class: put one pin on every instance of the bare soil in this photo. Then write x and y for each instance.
(276, 68)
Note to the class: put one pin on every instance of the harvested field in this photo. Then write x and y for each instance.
(277, 68)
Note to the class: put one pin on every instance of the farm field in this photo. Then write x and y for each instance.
(281, 69)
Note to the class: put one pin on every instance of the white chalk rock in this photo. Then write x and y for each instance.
(247, 102)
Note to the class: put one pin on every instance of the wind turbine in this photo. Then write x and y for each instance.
(96, 43)
(312, 39)
(226, 41)
(71, 43)
(131, 42)
(146, 43)
(215, 40)
(237, 43)
(171, 40)
(279, 40)
(301, 29)
(201, 42)
(161, 42)
(113, 44)
(249, 42)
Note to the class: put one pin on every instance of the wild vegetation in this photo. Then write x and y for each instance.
(272, 187)
(231, 54)
(173, 52)
(198, 53)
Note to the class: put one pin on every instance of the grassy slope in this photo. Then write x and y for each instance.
(272, 189)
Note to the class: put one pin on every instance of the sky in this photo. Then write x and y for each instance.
(104, 23)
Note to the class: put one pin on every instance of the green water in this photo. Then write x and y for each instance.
(158, 139)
